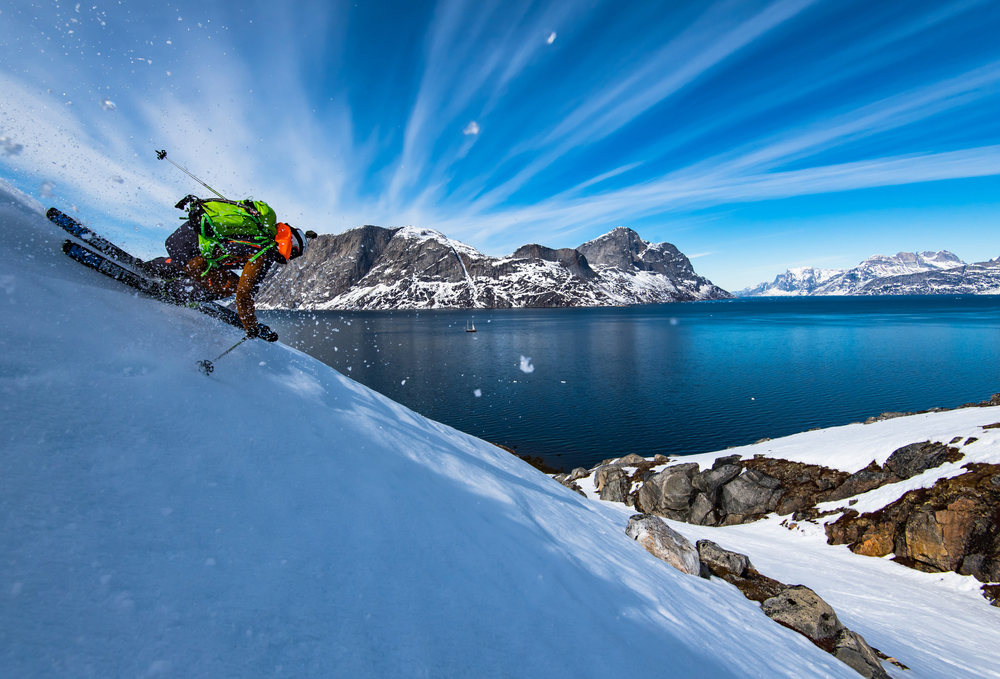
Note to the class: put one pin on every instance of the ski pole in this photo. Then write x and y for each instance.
(206, 366)
(162, 155)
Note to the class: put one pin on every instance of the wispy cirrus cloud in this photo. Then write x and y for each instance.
(499, 135)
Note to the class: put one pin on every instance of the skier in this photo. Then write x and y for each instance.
(220, 236)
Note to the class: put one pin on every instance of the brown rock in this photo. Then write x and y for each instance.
(954, 525)
(873, 544)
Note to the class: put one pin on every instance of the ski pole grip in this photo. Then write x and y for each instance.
(160, 155)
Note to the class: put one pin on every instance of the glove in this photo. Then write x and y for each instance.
(264, 333)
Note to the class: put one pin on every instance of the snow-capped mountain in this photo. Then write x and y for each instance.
(863, 279)
(372, 267)
(800, 281)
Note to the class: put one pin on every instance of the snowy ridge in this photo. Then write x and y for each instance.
(860, 280)
(421, 234)
(414, 268)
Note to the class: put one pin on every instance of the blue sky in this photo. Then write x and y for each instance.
(756, 136)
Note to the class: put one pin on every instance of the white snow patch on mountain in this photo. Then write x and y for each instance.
(420, 235)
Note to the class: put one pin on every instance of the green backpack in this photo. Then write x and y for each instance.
(251, 222)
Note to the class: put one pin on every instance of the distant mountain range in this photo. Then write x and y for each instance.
(372, 267)
(907, 273)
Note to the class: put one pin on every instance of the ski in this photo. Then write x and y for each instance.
(92, 239)
(147, 286)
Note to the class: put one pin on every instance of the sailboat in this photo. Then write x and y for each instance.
(470, 328)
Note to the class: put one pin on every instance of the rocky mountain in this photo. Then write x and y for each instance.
(907, 273)
(411, 268)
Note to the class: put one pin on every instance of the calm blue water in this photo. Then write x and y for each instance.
(673, 379)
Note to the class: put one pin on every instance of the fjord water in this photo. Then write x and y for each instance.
(674, 379)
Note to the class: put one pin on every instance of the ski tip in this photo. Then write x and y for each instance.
(52, 212)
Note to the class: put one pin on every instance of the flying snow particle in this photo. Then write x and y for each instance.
(16, 588)
(46, 190)
(159, 667)
(552, 37)
(472, 128)
(117, 180)
(209, 562)
(526, 366)
(477, 393)
(108, 105)
(402, 383)
(673, 321)
(10, 148)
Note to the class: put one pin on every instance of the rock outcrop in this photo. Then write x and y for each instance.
(738, 491)
(409, 268)
(794, 606)
(952, 526)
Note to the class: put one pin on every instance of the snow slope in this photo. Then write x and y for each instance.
(278, 519)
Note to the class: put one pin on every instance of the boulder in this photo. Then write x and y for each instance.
(851, 649)
(916, 458)
(601, 475)
(578, 473)
(801, 609)
(722, 562)
(726, 460)
(710, 480)
(669, 491)
(616, 485)
(702, 511)
(661, 459)
(752, 492)
(630, 460)
(664, 543)
(869, 478)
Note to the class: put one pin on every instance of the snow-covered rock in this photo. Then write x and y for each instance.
(409, 268)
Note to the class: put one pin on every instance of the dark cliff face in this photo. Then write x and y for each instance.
(376, 268)
(620, 248)
(623, 249)
(572, 259)
(331, 266)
